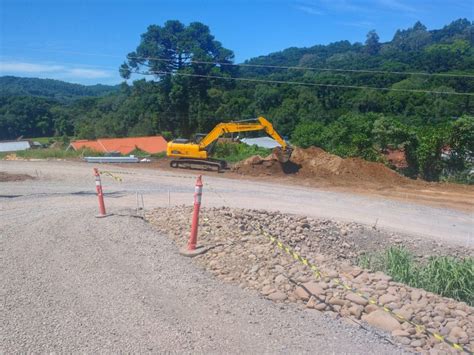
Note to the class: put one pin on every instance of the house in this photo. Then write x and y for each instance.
(151, 145)
(14, 146)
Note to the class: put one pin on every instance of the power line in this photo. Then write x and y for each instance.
(282, 81)
(306, 84)
(366, 71)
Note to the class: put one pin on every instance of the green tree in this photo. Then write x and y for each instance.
(307, 134)
(461, 143)
(389, 133)
(431, 141)
(182, 58)
(372, 43)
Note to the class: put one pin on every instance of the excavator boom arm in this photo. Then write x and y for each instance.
(231, 127)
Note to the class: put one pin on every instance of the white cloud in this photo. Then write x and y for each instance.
(345, 5)
(88, 73)
(13, 67)
(365, 6)
(308, 9)
(396, 5)
(52, 70)
(361, 24)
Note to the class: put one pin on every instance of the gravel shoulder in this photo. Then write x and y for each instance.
(73, 283)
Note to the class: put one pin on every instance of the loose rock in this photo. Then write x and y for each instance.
(382, 320)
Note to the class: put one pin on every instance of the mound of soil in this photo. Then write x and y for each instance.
(315, 163)
(4, 177)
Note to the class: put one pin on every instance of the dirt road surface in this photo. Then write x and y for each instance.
(161, 188)
(74, 283)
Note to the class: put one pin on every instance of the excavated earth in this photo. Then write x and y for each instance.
(315, 167)
(242, 254)
(317, 164)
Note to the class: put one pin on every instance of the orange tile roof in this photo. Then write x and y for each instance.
(152, 145)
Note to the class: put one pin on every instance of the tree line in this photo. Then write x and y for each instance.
(183, 95)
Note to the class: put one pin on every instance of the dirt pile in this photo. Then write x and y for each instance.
(315, 163)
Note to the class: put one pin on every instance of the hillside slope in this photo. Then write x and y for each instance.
(415, 48)
(52, 89)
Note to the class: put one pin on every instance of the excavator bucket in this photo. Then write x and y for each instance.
(283, 154)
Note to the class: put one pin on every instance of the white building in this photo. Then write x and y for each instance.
(14, 146)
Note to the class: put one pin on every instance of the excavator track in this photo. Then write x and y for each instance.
(199, 164)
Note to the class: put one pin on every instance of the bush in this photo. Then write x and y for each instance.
(428, 153)
(167, 135)
(444, 275)
(159, 155)
(139, 153)
(307, 134)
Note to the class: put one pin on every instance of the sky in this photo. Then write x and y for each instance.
(86, 41)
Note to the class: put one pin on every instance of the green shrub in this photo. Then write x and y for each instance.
(449, 277)
(139, 153)
(446, 276)
(159, 155)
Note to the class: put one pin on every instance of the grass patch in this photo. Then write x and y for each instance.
(44, 140)
(443, 275)
(159, 155)
(51, 153)
(139, 153)
(142, 154)
(234, 152)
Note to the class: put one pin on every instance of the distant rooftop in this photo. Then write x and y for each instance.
(14, 146)
(151, 145)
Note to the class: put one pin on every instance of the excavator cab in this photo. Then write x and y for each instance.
(198, 137)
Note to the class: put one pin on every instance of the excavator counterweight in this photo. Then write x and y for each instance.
(198, 154)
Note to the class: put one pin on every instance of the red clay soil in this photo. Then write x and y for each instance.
(314, 163)
(317, 168)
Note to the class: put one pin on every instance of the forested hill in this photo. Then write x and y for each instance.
(415, 48)
(58, 90)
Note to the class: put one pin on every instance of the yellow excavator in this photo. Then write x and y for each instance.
(197, 153)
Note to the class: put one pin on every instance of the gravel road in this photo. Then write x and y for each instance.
(74, 283)
(163, 187)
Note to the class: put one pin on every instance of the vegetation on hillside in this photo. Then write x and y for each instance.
(52, 89)
(186, 98)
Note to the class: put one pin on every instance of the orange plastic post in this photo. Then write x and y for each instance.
(100, 194)
(195, 223)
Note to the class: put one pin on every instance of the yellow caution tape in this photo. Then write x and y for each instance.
(115, 177)
(318, 274)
